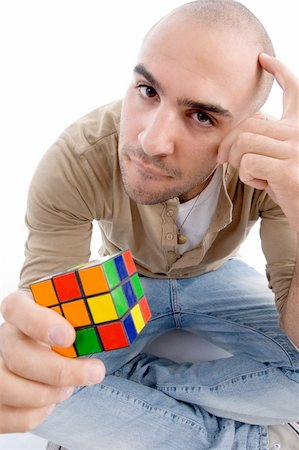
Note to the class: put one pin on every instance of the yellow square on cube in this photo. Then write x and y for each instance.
(102, 308)
(137, 317)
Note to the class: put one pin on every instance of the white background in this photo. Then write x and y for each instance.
(63, 58)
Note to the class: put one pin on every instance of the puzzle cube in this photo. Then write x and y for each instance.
(103, 300)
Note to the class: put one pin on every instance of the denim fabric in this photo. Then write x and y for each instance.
(148, 402)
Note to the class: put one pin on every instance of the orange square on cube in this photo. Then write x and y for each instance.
(44, 293)
(75, 312)
(70, 352)
(57, 309)
(93, 280)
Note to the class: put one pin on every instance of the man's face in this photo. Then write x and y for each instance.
(190, 87)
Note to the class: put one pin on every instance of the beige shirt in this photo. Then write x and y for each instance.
(78, 180)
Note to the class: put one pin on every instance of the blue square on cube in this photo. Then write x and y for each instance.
(129, 293)
(130, 328)
(120, 267)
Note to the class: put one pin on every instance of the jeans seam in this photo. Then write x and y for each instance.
(174, 302)
(169, 387)
(161, 412)
(264, 438)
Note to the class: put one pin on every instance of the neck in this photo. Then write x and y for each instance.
(197, 190)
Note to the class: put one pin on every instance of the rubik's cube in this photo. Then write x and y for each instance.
(104, 301)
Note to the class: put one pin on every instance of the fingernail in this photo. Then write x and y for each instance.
(94, 374)
(266, 56)
(59, 336)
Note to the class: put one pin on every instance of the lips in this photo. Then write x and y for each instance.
(147, 169)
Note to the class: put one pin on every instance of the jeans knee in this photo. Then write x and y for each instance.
(291, 395)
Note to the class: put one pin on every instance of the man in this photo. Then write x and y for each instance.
(177, 172)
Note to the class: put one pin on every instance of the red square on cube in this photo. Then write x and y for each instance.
(145, 310)
(67, 287)
(113, 336)
(129, 262)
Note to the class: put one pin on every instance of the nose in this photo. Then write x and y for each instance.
(157, 137)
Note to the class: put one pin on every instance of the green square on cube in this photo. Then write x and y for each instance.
(87, 342)
(111, 273)
(137, 287)
(120, 302)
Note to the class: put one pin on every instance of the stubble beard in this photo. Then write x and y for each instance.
(139, 192)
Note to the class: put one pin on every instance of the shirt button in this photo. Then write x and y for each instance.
(170, 212)
(275, 446)
(169, 236)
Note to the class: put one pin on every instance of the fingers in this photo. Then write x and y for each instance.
(33, 378)
(255, 169)
(280, 71)
(40, 323)
(21, 393)
(260, 145)
(21, 420)
(242, 137)
(288, 82)
(28, 359)
(256, 135)
(278, 178)
(276, 173)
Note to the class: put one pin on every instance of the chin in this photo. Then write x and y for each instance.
(140, 191)
(144, 197)
(147, 190)
(143, 194)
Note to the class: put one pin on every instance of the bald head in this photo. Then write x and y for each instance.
(227, 16)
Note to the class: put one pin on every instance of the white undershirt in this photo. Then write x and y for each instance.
(198, 222)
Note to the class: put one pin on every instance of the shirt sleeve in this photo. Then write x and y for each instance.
(279, 247)
(59, 216)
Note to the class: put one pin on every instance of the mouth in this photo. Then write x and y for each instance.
(147, 170)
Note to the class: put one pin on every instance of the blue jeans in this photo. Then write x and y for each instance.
(147, 402)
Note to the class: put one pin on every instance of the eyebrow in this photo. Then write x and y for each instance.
(209, 107)
(216, 109)
(148, 76)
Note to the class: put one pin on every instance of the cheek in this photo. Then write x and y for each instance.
(203, 155)
(130, 124)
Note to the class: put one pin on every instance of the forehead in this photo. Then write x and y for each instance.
(202, 60)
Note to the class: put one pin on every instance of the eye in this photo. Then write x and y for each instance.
(202, 119)
(146, 91)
